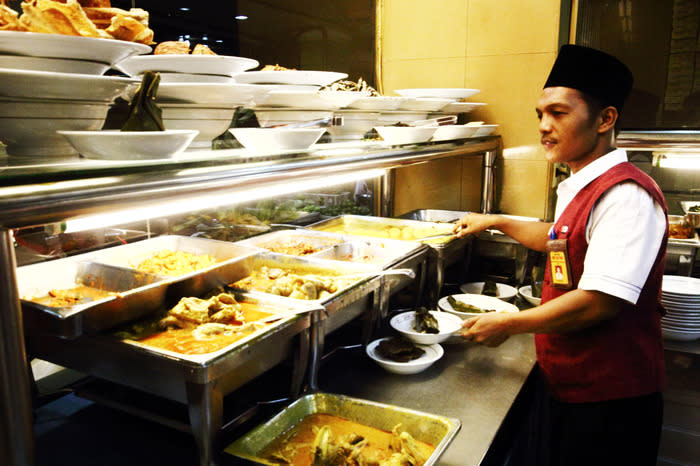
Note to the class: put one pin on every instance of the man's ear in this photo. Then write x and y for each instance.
(608, 118)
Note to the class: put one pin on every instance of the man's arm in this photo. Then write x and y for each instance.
(576, 310)
(533, 235)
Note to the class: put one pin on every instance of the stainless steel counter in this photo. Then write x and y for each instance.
(472, 383)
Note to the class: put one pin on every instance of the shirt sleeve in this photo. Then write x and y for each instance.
(625, 231)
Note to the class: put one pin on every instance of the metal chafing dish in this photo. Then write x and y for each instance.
(681, 252)
(139, 293)
(433, 429)
(341, 306)
(434, 215)
(200, 381)
(385, 254)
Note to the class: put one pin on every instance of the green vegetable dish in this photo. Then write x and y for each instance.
(459, 306)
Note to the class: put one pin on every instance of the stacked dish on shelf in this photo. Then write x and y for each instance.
(681, 298)
(54, 82)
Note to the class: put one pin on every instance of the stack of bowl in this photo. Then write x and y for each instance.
(53, 82)
(198, 92)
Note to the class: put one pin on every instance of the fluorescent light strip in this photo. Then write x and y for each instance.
(167, 208)
(679, 161)
(57, 186)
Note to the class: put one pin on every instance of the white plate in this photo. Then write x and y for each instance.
(461, 107)
(448, 324)
(505, 292)
(397, 135)
(129, 145)
(484, 130)
(36, 44)
(211, 93)
(679, 335)
(377, 102)
(682, 286)
(57, 65)
(424, 104)
(310, 100)
(194, 78)
(526, 293)
(301, 77)
(271, 140)
(432, 354)
(198, 64)
(29, 84)
(481, 301)
(454, 93)
(452, 132)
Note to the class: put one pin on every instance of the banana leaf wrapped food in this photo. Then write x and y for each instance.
(460, 306)
(425, 322)
(144, 114)
(490, 289)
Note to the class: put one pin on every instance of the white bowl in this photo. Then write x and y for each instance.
(298, 77)
(194, 78)
(211, 94)
(201, 64)
(266, 140)
(28, 127)
(505, 292)
(396, 135)
(451, 132)
(283, 116)
(461, 107)
(377, 102)
(526, 293)
(389, 118)
(310, 100)
(454, 93)
(56, 65)
(129, 145)
(211, 122)
(424, 104)
(432, 354)
(448, 324)
(484, 130)
(478, 300)
(355, 125)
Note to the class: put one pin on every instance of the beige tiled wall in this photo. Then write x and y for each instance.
(505, 48)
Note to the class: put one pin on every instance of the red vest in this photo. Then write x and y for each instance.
(621, 357)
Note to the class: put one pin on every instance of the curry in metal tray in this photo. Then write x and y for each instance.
(325, 439)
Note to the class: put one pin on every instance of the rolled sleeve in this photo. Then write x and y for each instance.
(626, 228)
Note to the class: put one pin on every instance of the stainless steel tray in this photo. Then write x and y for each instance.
(434, 215)
(318, 240)
(433, 429)
(138, 294)
(191, 284)
(379, 227)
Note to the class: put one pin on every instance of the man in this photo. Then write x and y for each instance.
(597, 330)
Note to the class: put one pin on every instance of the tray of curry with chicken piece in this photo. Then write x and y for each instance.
(90, 292)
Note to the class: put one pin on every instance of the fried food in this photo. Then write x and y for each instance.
(173, 47)
(52, 17)
(102, 16)
(9, 20)
(175, 263)
(201, 49)
(276, 67)
(129, 29)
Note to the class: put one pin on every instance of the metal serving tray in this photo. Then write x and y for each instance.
(192, 284)
(430, 428)
(434, 215)
(345, 224)
(138, 295)
(318, 240)
(200, 382)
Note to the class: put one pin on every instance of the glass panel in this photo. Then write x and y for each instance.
(659, 41)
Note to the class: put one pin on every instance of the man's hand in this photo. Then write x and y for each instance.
(473, 224)
(489, 329)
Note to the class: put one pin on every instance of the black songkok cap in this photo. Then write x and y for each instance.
(601, 76)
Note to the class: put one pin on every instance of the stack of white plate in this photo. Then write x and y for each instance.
(54, 82)
(188, 68)
(681, 298)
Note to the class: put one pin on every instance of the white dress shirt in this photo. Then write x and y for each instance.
(624, 231)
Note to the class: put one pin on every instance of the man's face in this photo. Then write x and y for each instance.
(568, 132)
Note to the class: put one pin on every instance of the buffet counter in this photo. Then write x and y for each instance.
(472, 383)
(39, 193)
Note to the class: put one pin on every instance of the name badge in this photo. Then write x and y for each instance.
(560, 268)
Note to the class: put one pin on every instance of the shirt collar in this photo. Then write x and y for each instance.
(568, 188)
